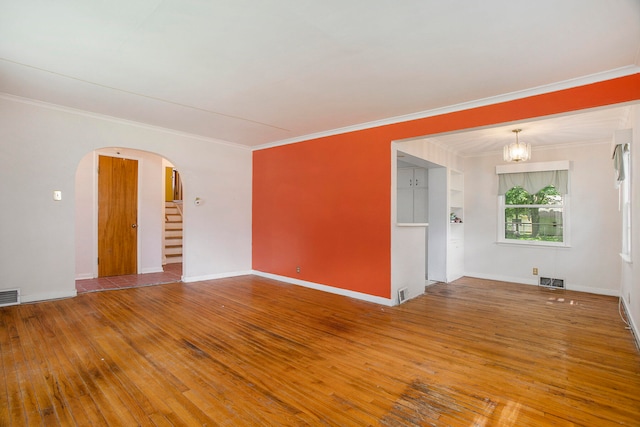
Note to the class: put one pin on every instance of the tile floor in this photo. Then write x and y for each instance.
(172, 273)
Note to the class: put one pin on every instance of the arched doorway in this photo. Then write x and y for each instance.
(148, 226)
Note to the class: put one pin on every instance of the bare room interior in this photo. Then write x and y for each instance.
(356, 213)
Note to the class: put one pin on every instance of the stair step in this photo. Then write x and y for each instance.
(173, 217)
(173, 251)
(173, 233)
(173, 259)
(173, 226)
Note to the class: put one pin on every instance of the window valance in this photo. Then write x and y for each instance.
(618, 162)
(533, 182)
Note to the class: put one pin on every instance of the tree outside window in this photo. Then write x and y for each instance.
(534, 217)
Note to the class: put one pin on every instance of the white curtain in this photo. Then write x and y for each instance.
(618, 162)
(533, 182)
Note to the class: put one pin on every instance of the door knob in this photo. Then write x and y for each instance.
(134, 225)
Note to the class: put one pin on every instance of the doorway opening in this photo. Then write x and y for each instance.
(127, 235)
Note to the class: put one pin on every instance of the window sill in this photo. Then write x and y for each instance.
(626, 258)
(534, 245)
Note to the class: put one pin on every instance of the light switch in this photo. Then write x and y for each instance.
(57, 195)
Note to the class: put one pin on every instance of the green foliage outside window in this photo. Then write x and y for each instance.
(534, 216)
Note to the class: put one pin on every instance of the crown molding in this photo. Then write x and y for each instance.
(117, 120)
(511, 96)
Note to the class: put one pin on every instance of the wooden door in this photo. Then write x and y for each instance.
(117, 216)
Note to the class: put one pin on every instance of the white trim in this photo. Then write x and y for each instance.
(532, 243)
(339, 291)
(500, 278)
(626, 258)
(533, 167)
(632, 324)
(152, 270)
(597, 291)
(534, 282)
(85, 276)
(99, 116)
(48, 296)
(538, 90)
(566, 228)
(191, 279)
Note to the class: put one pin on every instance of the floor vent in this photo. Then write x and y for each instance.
(551, 282)
(9, 297)
(402, 295)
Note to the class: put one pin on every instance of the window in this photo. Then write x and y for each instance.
(535, 217)
(625, 201)
(622, 165)
(534, 204)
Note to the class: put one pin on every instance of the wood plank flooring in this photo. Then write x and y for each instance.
(256, 352)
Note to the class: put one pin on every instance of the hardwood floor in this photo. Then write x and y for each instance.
(253, 351)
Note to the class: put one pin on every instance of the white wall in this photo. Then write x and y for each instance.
(630, 272)
(41, 148)
(408, 244)
(150, 211)
(592, 262)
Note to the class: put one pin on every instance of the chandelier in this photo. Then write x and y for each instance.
(517, 151)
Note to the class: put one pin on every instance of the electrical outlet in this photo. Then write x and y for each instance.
(298, 269)
(535, 271)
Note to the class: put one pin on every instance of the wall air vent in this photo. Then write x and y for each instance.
(550, 282)
(9, 297)
(402, 295)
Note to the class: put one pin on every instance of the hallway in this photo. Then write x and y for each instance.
(172, 273)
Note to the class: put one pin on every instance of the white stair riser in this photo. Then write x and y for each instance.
(173, 233)
(173, 251)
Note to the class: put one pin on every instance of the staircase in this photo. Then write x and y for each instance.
(172, 232)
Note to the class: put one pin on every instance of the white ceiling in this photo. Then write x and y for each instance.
(258, 72)
(590, 127)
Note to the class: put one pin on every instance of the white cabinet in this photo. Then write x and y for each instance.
(455, 235)
(445, 261)
(412, 195)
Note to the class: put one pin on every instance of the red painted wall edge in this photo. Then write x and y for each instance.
(324, 204)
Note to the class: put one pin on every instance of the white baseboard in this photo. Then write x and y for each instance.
(47, 296)
(599, 291)
(632, 323)
(85, 276)
(500, 278)
(534, 282)
(339, 291)
(190, 279)
(151, 270)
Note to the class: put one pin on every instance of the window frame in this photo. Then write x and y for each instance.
(502, 239)
(566, 208)
(625, 206)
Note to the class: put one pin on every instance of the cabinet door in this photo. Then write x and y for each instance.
(420, 178)
(405, 178)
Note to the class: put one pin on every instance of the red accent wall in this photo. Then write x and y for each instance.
(324, 204)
